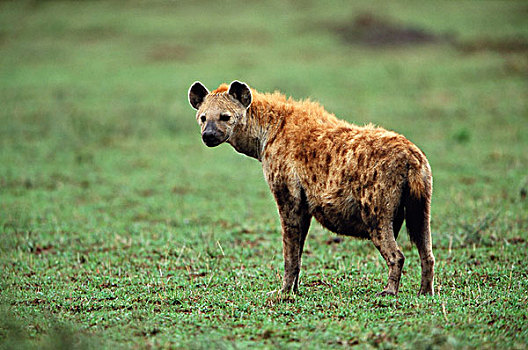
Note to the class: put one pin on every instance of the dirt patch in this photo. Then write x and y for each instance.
(38, 249)
(165, 53)
(371, 30)
(375, 31)
(334, 240)
(503, 45)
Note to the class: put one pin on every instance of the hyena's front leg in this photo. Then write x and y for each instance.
(294, 231)
(295, 222)
(303, 230)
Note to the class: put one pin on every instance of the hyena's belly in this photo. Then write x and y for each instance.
(343, 220)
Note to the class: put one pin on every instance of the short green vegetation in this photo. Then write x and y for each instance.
(119, 228)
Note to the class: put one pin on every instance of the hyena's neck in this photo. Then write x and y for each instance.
(260, 124)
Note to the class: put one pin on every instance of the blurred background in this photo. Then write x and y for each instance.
(94, 93)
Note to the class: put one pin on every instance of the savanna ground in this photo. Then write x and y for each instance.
(119, 228)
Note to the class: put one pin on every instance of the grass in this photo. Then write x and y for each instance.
(120, 229)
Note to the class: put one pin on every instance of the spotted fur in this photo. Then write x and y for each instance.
(360, 181)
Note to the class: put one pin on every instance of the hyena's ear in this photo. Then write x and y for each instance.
(197, 93)
(240, 92)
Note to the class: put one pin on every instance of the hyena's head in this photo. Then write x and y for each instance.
(219, 112)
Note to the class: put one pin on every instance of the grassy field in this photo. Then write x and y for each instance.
(119, 228)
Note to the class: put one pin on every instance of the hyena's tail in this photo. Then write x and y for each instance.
(418, 202)
(417, 212)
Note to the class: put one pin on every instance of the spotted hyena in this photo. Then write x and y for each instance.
(360, 181)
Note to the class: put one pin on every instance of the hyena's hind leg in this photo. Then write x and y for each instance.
(383, 238)
(417, 218)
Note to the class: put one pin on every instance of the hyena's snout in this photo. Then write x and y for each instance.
(211, 136)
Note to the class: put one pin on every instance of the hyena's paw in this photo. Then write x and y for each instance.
(279, 295)
(426, 292)
(386, 293)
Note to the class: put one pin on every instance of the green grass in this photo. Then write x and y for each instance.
(120, 228)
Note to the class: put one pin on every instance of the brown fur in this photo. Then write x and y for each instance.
(355, 181)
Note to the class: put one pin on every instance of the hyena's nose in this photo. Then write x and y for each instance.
(210, 138)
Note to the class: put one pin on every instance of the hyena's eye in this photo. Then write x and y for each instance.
(202, 118)
(225, 117)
